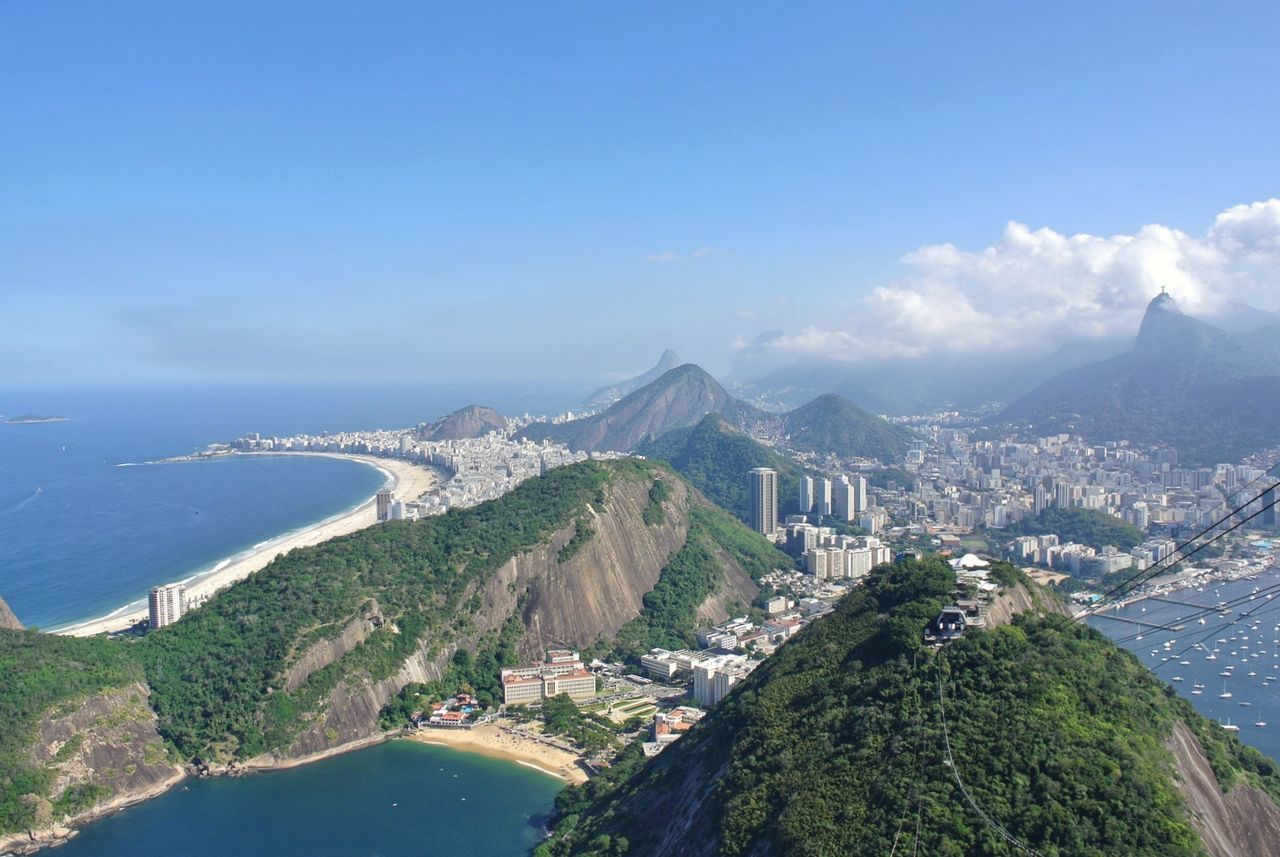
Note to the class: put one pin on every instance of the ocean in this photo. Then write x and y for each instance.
(1249, 645)
(81, 535)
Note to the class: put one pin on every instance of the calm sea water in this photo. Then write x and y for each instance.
(1245, 649)
(81, 536)
(398, 798)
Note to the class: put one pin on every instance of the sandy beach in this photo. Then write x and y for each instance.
(408, 481)
(494, 739)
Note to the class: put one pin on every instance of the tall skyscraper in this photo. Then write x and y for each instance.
(822, 497)
(806, 495)
(859, 495)
(385, 500)
(1041, 500)
(764, 500)
(842, 500)
(166, 604)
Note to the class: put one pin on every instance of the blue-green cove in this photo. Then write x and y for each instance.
(398, 798)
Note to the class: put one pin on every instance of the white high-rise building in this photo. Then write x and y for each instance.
(166, 604)
(764, 500)
(806, 495)
(822, 497)
(859, 485)
(842, 499)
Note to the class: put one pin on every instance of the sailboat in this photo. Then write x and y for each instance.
(1226, 694)
(1227, 727)
(1260, 722)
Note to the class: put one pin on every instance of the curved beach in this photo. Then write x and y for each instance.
(501, 742)
(408, 481)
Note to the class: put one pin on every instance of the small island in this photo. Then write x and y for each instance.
(27, 419)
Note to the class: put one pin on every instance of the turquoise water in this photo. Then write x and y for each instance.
(398, 798)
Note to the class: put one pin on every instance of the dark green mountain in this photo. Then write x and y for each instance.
(679, 398)
(607, 395)
(716, 458)
(1213, 395)
(834, 425)
(471, 421)
(855, 740)
(310, 654)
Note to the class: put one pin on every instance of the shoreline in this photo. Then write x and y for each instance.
(497, 742)
(407, 479)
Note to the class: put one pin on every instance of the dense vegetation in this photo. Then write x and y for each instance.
(838, 745)
(216, 676)
(39, 672)
(716, 458)
(1085, 526)
(669, 615)
(832, 425)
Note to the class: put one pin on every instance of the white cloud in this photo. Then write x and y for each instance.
(1035, 289)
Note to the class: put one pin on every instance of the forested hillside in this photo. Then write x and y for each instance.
(855, 740)
(716, 457)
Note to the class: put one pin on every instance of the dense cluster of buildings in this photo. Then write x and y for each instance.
(953, 483)
(479, 469)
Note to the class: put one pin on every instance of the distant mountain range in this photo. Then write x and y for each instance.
(679, 398)
(1211, 394)
(471, 421)
(683, 396)
(606, 396)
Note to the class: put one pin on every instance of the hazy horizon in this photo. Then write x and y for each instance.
(305, 194)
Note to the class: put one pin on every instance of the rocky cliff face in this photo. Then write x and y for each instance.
(8, 621)
(571, 603)
(1242, 822)
(107, 748)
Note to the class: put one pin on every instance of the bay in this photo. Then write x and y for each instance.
(397, 798)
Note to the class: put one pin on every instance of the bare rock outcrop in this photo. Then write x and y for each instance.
(106, 748)
(8, 621)
(1024, 597)
(571, 603)
(1242, 822)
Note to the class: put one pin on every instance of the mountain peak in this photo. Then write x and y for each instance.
(606, 396)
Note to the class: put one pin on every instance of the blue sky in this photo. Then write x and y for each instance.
(218, 190)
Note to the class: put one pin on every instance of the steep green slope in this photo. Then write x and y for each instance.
(40, 672)
(836, 426)
(216, 675)
(839, 744)
(691, 576)
(716, 458)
